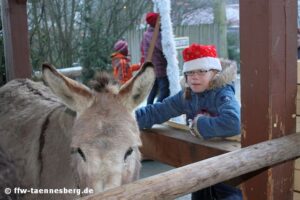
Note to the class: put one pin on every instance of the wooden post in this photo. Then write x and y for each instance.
(15, 34)
(193, 177)
(268, 87)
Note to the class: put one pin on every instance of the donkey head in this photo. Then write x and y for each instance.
(105, 136)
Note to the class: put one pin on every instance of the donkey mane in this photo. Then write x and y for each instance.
(104, 82)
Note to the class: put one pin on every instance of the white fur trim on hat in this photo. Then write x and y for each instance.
(205, 63)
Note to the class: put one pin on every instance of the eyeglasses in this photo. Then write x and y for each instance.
(197, 72)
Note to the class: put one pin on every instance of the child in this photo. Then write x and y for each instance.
(120, 62)
(209, 102)
(161, 85)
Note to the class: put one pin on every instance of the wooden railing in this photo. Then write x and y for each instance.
(193, 177)
(71, 72)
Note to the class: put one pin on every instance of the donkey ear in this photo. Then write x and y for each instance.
(74, 95)
(134, 91)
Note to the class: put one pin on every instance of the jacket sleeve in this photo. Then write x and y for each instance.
(158, 43)
(145, 46)
(116, 67)
(124, 66)
(160, 112)
(227, 122)
(142, 59)
(135, 67)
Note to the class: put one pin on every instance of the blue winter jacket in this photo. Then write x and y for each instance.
(219, 101)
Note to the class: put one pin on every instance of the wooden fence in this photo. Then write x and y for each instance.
(199, 175)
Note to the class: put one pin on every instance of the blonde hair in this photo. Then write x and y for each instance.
(187, 91)
(187, 94)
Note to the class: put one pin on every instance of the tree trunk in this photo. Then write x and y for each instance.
(220, 20)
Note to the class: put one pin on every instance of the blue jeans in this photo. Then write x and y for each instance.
(219, 191)
(160, 87)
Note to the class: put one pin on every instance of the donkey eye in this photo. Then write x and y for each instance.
(80, 152)
(128, 153)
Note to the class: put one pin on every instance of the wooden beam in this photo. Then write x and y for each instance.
(16, 44)
(196, 176)
(178, 148)
(268, 87)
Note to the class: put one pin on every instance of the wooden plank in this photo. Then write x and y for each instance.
(297, 164)
(298, 100)
(298, 124)
(298, 107)
(177, 147)
(298, 72)
(296, 196)
(297, 180)
(193, 177)
(15, 35)
(268, 87)
(175, 125)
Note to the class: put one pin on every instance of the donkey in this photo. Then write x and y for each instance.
(8, 177)
(72, 137)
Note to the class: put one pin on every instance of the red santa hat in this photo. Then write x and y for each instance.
(202, 57)
(151, 18)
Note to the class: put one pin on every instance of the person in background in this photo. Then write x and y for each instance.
(122, 70)
(209, 103)
(161, 84)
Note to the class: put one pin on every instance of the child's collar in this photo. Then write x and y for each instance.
(226, 76)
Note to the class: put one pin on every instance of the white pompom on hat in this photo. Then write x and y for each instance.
(203, 57)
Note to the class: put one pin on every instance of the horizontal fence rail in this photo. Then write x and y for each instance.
(71, 72)
(202, 174)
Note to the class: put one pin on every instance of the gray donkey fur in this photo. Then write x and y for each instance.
(72, 136)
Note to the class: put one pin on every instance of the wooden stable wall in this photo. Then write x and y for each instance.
(297, 162)
(15, 36)
(268, 88)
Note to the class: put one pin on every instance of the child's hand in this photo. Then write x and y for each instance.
(193, 124)
(193, 131)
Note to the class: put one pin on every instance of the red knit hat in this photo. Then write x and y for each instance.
(151, 18)
(122, 47)
(199, 56)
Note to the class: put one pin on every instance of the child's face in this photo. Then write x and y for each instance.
(198, 80)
